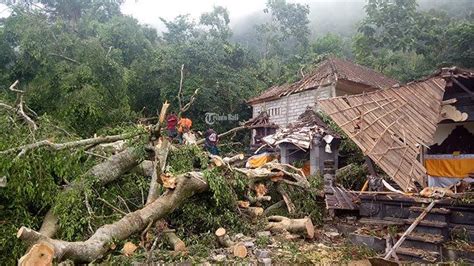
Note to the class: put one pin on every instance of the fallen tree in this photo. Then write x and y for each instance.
(103, 173)
(99, 243)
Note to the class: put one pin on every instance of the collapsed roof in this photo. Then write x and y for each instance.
(301, 133)
(391, 125)
(327, 72)
(262, 120)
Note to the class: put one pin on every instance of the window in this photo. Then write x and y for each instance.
(274, 111)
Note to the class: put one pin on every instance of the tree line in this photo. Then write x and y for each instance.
(88, 65)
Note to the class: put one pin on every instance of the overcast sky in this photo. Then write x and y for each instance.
(149, 11)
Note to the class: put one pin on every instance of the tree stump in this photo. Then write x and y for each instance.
(302, 227)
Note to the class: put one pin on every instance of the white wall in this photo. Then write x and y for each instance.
(287, 109)
(443, 130)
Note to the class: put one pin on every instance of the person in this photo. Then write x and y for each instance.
(184, 125)
(171, 122)
(211, 141)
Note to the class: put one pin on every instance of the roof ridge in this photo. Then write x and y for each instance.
(327, 71)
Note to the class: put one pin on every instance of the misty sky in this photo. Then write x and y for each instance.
(149, 11)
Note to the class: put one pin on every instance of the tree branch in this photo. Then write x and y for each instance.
(103, 173)
(99, 243)
(235, 129)
(180, 91)
(68, 145)
(19, 106)
(66, 58)
(185, 107)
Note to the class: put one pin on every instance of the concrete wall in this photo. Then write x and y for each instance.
(287, 109)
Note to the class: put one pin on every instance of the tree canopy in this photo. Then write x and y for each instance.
(86, 68)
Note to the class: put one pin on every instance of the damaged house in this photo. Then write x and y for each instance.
(421, 136)
(332, 77)
(290, 107)
(308, 140)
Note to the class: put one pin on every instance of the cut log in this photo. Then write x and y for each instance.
(253, 212)
(240, 250)
(226, 161)
(280, 224)
(174, 241)
(275, 172)
(38, 255)
(128, 249)
(260, 189)
(168, 181)
(98, 244)
(243, 204)
(258, 199)
(223, 239)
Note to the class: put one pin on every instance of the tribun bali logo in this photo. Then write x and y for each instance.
(212, 118)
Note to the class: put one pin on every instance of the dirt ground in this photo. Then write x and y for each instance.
(327, 247)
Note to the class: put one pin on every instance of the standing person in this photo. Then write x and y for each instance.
(211, 141)
(171, 122)
(184, 125)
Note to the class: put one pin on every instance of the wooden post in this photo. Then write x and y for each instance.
(410, 229)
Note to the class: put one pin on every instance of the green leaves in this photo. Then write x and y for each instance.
(406, 43)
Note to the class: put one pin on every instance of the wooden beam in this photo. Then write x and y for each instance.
(471, 94)
(410, 229)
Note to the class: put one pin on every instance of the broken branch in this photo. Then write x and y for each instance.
(235, 129)
(99, 243)
(68, 145)
(105, 172)
(19, 106)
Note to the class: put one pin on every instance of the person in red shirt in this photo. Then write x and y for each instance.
(171, 122)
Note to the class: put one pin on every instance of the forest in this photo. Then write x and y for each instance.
(77, 75)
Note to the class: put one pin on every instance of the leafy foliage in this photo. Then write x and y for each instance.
(87, 68)
(404, 42)
(186, 159)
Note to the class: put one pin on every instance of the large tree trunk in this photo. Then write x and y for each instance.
(159, 165)
(99, 243)
(104, 173)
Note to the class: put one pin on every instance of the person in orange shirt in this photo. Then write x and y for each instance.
(184, 125)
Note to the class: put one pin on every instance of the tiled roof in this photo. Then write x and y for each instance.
(326, 72)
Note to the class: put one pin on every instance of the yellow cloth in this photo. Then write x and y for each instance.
(259, 160)
(449, 167)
